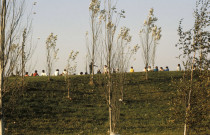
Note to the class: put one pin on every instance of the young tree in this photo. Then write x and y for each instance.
(123, 56)
(124, 51)
(71, 68)
(52, 52)
(10, 17)
(111, 18)
(195, 48)
(149, 36)
(95, 24)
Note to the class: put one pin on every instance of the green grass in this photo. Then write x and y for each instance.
(44, 109)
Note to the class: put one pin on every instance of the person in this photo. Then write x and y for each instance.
(149, 68)
(167, 69)
(26, 74)
(12, 74)
(131, 70)
(43, 73)
(91, 66)
(64, 72)
(161, 69)
(98, 71)
(118, 70)
(156, 69)
(86, 73)
(145, 69)
(57, 72)
(194, 67)
(114, 71)
(35, 73)
(105, 69)
(178, 67)
(81, 73)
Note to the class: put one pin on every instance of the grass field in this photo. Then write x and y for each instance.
(44, 109)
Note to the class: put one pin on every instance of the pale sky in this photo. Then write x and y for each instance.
(69, 19)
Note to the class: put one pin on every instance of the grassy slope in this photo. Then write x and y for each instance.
(45, 109)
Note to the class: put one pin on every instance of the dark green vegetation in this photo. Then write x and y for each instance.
(43, 107)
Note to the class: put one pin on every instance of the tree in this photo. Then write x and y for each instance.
(52, 52)
(71, 68)
(95, 24)
(194, 86)
(10, 14)
(123, 56)
(149, 36)
(110, 18)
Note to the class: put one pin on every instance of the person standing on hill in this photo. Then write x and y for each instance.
(178, 67)
(105, 69)
(57, 72)
(131, 70)
(91, 66)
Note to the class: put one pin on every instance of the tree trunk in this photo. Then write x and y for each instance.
(1, 107)
(189, 98)
(2, 41)
(110, 106)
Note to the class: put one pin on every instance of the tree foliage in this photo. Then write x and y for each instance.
(52, 52)
(194, 87)
(149, 35)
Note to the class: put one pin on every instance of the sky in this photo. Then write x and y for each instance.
(69, 19)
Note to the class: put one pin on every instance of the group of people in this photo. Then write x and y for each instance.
(45, 74)
(156, 69)
(105, 71)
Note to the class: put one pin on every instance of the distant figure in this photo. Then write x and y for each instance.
(26, 74)
(43, 73)
(145, 69)
(161, 69)
(64, 72)
(12, 74)
(86, 73)
(105, 69)
(149, 68)
(117, 71)
(131, 70)
(178, 67)
(156, 69)
(98, 71)
(57, 72)
(194, 67)
(35, 73)
(167, 69)
(81, 73)
(91, 66)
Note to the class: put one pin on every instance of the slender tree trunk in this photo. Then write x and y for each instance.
(2, 41)
(1, 109)
(186, 128)
(23, 57)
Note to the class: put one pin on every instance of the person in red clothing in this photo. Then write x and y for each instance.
(35, 74)
(26, 74)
